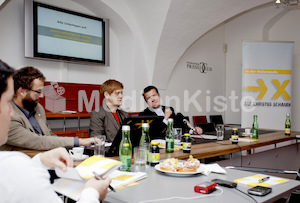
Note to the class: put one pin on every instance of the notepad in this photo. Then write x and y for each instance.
(72, 182)
(253, 180)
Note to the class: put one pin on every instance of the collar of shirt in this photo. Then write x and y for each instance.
(32, 120)
(159, 111)
(26, 112)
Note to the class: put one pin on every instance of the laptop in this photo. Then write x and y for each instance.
(156, 130)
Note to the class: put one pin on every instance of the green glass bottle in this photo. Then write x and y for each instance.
(170, 137)
(287, 130)
(145, 139)
(255, 128)
(125, 149)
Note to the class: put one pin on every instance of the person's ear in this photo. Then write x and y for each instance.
(22, 92)
(106, 94)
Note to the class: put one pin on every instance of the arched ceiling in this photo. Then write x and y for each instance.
(177, 25)
(186, 22)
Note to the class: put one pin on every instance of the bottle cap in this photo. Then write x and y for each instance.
(154, 143)
(234, 129)
(126, 127)
(145, 125)
(170, 120)
(187, 134)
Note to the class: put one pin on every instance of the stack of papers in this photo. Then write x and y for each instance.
(72, 181)
(208, 137)
(255, 180)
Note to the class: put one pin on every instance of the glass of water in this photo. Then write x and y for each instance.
(220, 132)
(177, 135)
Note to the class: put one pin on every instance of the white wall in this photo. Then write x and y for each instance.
(265, 23)
(127, 55)
(132, 54)
(203, 87)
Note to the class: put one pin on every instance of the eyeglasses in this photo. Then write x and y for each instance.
(37, 91)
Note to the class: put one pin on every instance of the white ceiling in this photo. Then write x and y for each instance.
(167, 28)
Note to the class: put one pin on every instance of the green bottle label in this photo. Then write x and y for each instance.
(154, 157)
(126, 162)
(254, 134)
(169, 145)
(186, 145)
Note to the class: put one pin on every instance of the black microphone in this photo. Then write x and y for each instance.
(190, 125)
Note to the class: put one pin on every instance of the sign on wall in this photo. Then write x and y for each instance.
(267, 83)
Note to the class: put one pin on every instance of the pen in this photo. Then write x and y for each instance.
(263, 179)
(98, 177)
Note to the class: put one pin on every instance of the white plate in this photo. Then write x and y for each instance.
(84, 156)
(172, 173)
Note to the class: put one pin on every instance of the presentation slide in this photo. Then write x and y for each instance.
(66, 34)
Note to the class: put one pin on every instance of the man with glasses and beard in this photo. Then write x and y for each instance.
(27, 180)
(29, 128)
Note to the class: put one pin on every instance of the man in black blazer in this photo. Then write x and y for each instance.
(152, 98)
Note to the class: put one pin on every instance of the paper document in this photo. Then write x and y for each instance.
(255, 180)
(209, 137)
(72, 188)
(71, 182)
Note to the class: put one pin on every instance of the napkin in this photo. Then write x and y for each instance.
(215, 168)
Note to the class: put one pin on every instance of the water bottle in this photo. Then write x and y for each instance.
(125, 149)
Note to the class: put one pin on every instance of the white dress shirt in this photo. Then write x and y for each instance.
(160, 112)
(27, 180)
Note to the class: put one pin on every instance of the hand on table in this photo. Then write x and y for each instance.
(88, 141)
(199, 130)
(58, 157)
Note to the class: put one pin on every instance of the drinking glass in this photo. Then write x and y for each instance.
(177, 136)
(220, 132)
(99, 145)
(140, 159)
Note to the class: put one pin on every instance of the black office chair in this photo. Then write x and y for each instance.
(207, 127)
(216, 119)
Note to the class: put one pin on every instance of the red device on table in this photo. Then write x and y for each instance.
(205, 187)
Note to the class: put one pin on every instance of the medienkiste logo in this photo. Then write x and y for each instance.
(54, 102)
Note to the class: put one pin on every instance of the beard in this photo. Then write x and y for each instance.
(29, 103)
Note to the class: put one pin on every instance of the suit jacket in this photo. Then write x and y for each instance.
(103, 122)
(21, 134)
(160, 131)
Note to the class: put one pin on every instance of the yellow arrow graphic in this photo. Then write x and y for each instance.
(263, 88)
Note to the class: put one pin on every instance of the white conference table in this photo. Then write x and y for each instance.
(159, 185)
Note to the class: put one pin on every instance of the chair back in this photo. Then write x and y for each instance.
(207, 127)
(199, 119)
(216, 119)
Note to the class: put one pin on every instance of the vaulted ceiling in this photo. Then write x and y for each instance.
(167, 28)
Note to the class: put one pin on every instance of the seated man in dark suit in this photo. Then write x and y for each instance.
(109, 117)
(152, 98)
